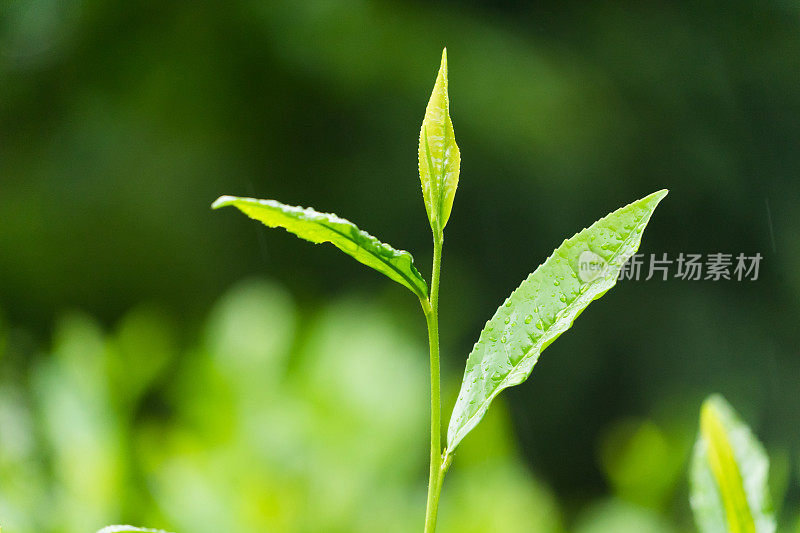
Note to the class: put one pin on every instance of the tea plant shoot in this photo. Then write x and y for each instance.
(543, 306)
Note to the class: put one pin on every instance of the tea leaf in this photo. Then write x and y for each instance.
(439, 158)
(543, 307)
(327, 227)
(729, 474)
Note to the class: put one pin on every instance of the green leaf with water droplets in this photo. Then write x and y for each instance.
(439, 157)
(326, 227)
(581, 270)
(729, 474)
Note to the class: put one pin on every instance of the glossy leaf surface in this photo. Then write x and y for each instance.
(729, 474)
(543, 307)
(326, 227)
(439, 157)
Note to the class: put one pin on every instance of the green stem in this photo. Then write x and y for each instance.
(437, 468)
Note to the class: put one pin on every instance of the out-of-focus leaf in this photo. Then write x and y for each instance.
(439, 157)
(142, 347)
(642, 462)
(780, 478)
(326, 227)
(249, 334)
(729, 474)
(581, 270)
(126, 529)
(82, 429)
(619, 516)
(498, 496)
(24, 476)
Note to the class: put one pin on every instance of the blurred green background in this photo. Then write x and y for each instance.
(171, 366)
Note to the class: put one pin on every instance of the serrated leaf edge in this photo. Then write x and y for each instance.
(420, 289)
(559, 326)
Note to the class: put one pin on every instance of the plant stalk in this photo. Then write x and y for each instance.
(437, 470)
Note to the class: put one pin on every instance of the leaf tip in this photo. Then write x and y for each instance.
(223, 201)
(712, 399)
(659, 195)
(443, 69)
(711, 408)
(707, 410)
